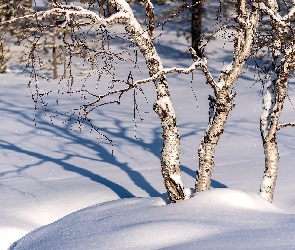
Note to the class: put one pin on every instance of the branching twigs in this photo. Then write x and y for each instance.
(199, 63)
(202, 63)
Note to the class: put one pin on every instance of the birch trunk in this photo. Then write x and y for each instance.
(209, 142)
(2, 59)
(54, 56)
(271, 169)
(248, 21)
(171, 140)
(273, 102)
(170, 163)
(268, 124)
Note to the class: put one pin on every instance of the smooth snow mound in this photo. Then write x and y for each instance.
(216, 217)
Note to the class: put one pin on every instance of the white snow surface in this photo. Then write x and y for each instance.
(61, 189)
(149, 223)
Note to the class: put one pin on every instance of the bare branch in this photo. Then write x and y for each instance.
(273, 6)
(163, 72)
(284, 125)
(202, 63)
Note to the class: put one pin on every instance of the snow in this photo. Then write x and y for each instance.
(65, 189)
(220, 83)
(227, 68)
(150, 223)
(165, 104)
(177, 179)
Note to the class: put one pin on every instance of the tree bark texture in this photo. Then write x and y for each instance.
(268, 124)
(230, 73)
(209, 142)
(273, 103)
(273, 99)
(170, 163)
(170, 152)
(271, 169)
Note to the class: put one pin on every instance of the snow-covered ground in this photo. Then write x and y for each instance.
(80, 196)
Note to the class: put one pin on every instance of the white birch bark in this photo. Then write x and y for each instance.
(170, 162)
(268, 134)
(210, 139)
(268, 124)
(248, 21)
(273, 100)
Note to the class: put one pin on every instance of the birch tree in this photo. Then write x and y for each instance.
(283, 58)
(144, 40)
(222, 101)
(220, 104)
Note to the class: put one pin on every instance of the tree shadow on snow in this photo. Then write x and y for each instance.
(214, 183)
(102, 154)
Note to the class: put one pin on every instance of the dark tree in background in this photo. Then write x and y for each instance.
(196, 26)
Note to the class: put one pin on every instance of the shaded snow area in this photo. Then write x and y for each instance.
(62, 189)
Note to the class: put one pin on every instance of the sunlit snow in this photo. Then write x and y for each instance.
(62, 189)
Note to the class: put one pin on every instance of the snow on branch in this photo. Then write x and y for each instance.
(290, 124)
(282, 21)
(71, 11)
(242, 13)
(199, 63)
(272, 13)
